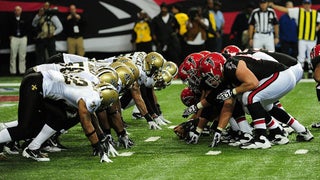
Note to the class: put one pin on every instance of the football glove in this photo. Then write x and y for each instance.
(226, 94)
(110, 139)
(190, 110)
(101, 149)
(112, 151)
(159, 121)
(125, 141)
(165, 120)
(193, 137)
(153, 125)
(216, 138)
(183, 129)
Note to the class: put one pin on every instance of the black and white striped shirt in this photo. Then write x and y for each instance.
(263, 21)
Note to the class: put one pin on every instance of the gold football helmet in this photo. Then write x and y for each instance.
(128, 62)
(171, 67)
(108, 94)
(107, 75)
(153, 62)
(125, 75)
(116, 64)
(163, 79)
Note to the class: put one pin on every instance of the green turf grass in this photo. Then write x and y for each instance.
(170, 158)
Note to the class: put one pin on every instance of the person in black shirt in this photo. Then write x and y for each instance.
(166, 28)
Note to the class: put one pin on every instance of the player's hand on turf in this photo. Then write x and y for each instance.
(100, 149)
(165, 120)
(159, 121)
(190, 110)
(216, 139)
(153, 125)
(193, 137)
(125, 141)
(110, 139)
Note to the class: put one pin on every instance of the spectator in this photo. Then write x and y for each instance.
(74, 29)
(142, 33)
(239, 29)
(18, 25)
(263, 27)
(288, 33)
(182, 19)
(212, 30)
(218, 16)
(196, 31)
(166, 28)
(307, 28)
(48, 25)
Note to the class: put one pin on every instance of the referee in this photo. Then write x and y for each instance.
(263, 27)
(308, 23)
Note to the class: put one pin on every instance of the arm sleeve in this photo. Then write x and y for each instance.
(57, 24)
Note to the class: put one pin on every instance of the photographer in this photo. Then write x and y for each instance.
(74, 28)
(196, 34)
(48, 26)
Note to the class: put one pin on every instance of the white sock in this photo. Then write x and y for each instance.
(273, 124)
(244, 125)
(296, 125)
(5, 136)
(11, 124)
(233, 124)
(45, 133)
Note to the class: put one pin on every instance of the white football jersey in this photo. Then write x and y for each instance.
(71, 58)
(70, 88)
(80, 69)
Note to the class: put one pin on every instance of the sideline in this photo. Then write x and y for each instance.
(176, 81)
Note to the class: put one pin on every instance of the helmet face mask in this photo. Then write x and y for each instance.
(125, 75)
(189, 67)
(211, 69)
(188, 97)
(162, 80)
(171, 67)
(153, 63)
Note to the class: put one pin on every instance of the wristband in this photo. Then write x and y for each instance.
(89, 134)
(199, 105)
(148, 117)
(199, 130)
(234, 91)
(219, 129)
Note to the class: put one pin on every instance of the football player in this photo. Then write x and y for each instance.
(278, 112)
(315, 59)
(211, 81)
(250, 79)
(53, 85)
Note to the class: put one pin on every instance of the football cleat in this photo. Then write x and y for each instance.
(11, 148)
(35, 155)
(316, 125)
(304, 136)
(3, 156)
(257, 143)
(243, 139)
(279, 139)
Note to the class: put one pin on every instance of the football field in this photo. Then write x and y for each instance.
(168, 157)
